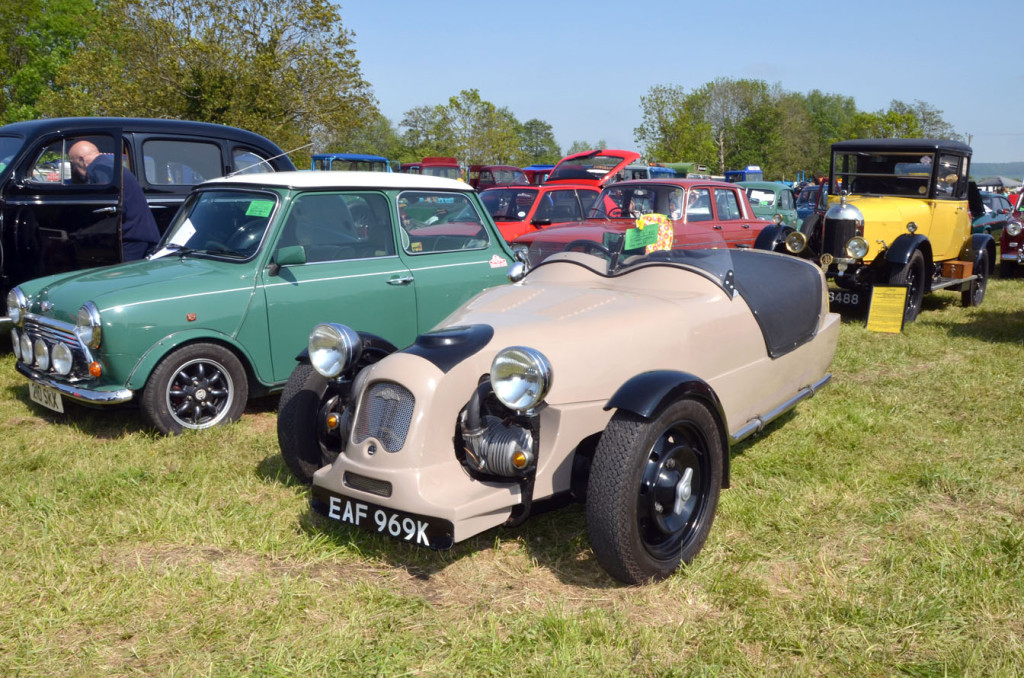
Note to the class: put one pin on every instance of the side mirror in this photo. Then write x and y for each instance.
(287, 256)
(541, 222)
(517, 271)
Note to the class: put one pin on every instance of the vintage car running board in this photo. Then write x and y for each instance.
(757, 424)
(943, 283)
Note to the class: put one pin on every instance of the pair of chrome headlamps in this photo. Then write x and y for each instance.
(520, 376)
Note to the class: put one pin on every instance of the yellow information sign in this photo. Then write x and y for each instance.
(887, 306)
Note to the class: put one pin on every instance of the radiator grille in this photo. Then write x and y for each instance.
(837, 232)
(385, 414)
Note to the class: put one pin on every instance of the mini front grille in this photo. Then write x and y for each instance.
(381, 488)
(53, 332)
(837, 232)
(385, 414)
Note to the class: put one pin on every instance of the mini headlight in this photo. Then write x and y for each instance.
(88, 327)
(1013, 229)
(857, 248)
(17, 305)
(62, 359)
(333, 348)
(520, 377)
(16, 344)
(796, 242)
(42, 354)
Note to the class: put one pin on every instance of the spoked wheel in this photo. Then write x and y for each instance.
(195, 387)
(653, 491)
(975, 292)
(912, 275)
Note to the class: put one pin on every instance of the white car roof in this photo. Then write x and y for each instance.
(327, 179)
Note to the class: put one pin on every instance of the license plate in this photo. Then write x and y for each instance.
(433, 533)
(45, 396)
(844, 298)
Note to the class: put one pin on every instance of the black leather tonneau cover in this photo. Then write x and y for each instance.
(784, 293)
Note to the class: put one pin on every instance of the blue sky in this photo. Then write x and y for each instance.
(583, 66)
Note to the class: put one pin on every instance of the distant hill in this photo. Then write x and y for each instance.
(982, 170)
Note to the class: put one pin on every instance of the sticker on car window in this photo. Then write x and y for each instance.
(652, 232)
(260, 208)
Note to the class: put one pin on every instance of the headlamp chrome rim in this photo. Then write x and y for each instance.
(333, 348)
(796, 242)
(61, 359)
(17, 305)
(89, 325)
(857, 247)
(520, 377)
(1014, 228)
(41, 354)
(16, 344)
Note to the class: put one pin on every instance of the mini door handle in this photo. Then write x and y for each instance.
(400, 281)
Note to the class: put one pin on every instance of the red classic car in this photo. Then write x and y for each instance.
(485, 176)
(524, 209)
(435, 166)
(596, 168)
(1011, 244)
(721, 206)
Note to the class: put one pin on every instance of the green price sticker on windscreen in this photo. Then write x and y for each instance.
(260, 208)
(637, 238)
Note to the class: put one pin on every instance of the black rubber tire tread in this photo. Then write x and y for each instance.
(900, 275)
(154, 407)
(974, 295)
(613, 486)
(296, 423)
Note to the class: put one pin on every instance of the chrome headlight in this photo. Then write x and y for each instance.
(796, 242)
(16, 344)
(17, 305)
(1013, 229)
(333, 348)
(857, 248)
(520, 377)
(88, 326)
(26, 349)
(62, 359)
(42, 354)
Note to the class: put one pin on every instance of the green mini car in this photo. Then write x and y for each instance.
(250, 264)
(770, 199)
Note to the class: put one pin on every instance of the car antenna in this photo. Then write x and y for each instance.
(242, 169)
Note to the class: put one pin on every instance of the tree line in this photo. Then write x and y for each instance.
(287, 69)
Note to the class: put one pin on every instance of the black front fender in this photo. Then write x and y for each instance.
(649, 393)
(773, 238)
(903, 247)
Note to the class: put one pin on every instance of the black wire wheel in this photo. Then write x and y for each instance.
(910, 274)
(195, 387)
(653, 490)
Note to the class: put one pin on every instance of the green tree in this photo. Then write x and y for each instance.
(538, 145)
(929, 119)
(285, 69)
(581, 146)
(38, 37)
(670, 130)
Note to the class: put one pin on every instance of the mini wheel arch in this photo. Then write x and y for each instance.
(161, 349)
(650, 393)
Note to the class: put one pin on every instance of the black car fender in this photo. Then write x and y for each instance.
(978, 243)
(649, 393)
(773, 238)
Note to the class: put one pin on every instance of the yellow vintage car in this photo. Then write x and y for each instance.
(900, 213)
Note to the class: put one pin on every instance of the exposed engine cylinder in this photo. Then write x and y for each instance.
(495, 446)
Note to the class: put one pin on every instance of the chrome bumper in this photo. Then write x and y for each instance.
(86, 396)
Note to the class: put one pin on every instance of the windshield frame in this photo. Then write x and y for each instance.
(172, 243)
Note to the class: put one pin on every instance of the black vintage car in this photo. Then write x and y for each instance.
(51, 222)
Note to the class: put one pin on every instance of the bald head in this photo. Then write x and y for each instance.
(81, 154)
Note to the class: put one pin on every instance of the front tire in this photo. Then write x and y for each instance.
(305, 401)
(195, 387)
(653, 490)
(912, 275)
(975, 292)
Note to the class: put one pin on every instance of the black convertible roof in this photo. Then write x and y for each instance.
(910, 145)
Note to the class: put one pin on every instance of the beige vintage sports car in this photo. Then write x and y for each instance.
(619, 381)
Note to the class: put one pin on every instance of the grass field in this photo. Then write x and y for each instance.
(877, 530)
